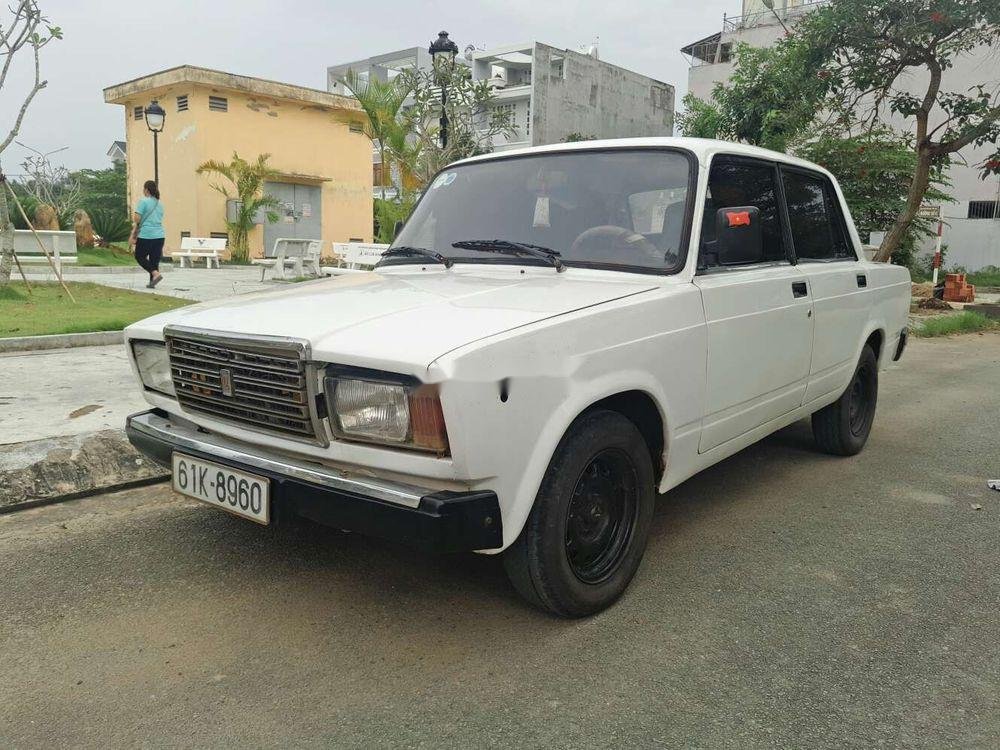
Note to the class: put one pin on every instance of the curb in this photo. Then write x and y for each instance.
(61, 341)
(130, 485)
(43, 270)
(54, 470)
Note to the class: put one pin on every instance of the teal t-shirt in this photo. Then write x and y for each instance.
(150, 212)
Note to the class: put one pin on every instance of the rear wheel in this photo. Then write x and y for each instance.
(587, 531)
(842, 428)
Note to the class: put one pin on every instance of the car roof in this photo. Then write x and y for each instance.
(703, 148)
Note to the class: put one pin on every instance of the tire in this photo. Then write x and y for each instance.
(842, 428)
(587, 530)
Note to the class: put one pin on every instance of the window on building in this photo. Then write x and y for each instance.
(527, 118)
(355, 239)
(984, 209)
(219, 235)
(356, 127)
(736, 182)
(726, 52)
(817, 229)
(218, 104)
(137, 113)
(182, 103)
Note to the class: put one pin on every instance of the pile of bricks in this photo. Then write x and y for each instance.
(956, 290)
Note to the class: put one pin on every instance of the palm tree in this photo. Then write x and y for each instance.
(381, 102)
(247, 179)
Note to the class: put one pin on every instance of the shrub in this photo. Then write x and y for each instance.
(111, 226)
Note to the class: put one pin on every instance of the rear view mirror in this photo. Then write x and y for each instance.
(397, 228)
(738, 236)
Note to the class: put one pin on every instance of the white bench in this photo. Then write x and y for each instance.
(354, 257)
(62, 246)
(209, 248)
(289, 252)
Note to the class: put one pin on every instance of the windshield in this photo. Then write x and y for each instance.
(622, 208)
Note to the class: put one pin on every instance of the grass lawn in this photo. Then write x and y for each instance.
(104, 256)
(945, 325)
(98, 308)
(989, 276)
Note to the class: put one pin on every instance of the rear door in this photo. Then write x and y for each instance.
(759, 315)
(839, 284)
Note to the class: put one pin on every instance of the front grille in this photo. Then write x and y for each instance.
(263, 386)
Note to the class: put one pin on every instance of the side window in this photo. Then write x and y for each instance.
(814, 218)
(737, 182)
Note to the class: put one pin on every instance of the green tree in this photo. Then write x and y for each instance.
(473, 120)
(874, 169)
(103, 189)
(23, 28)
(381, 102)
(770, 100)
(247, 189)
(882, 50)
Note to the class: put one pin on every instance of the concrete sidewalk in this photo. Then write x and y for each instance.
(64, 392)
(61, 417)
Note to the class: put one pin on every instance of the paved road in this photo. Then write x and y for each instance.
(788, 599)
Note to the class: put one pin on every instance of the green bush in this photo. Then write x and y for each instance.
(110, 225)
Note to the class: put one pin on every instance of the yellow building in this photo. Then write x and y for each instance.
(314, 138)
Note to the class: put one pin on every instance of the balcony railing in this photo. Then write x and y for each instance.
(767, 17)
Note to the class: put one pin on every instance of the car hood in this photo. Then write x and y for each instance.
(387, 320)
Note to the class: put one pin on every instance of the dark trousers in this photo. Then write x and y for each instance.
(148, 254)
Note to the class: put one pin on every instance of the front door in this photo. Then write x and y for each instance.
(759, 315)
(298, 215)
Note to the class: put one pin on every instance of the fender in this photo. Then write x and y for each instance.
(584, 397)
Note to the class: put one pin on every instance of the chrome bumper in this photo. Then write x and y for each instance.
(432, 520)
(172, 436)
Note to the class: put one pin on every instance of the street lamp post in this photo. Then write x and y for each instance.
(443, 52)
(155, 116)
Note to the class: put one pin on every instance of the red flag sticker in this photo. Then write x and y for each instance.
(739, 218)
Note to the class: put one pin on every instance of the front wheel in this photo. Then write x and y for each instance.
(588, 528)
(842, 428)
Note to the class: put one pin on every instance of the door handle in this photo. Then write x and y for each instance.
(862, 280)
(799, 289)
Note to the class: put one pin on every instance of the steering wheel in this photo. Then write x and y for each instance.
(601, 243)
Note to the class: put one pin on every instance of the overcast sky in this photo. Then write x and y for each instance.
(110, 41)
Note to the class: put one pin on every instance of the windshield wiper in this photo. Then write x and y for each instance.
(405, 251)
(507, 247)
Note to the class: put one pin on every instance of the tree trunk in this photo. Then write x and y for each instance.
(6, 238)
(915, 196)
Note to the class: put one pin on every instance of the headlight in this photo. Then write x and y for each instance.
(385, 412)
(153, 364)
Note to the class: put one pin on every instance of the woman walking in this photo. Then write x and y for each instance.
(147, 232)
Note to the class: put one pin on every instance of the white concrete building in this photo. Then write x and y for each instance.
(550, 92)
(554, 92)
(972, 228)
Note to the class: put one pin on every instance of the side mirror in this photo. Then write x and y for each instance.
(397, 228)
(738, 236)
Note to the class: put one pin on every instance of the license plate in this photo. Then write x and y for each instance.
(244, 494)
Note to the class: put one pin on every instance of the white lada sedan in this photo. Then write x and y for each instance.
(556, 335)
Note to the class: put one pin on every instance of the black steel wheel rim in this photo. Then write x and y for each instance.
(601, 516)
(859, 405)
